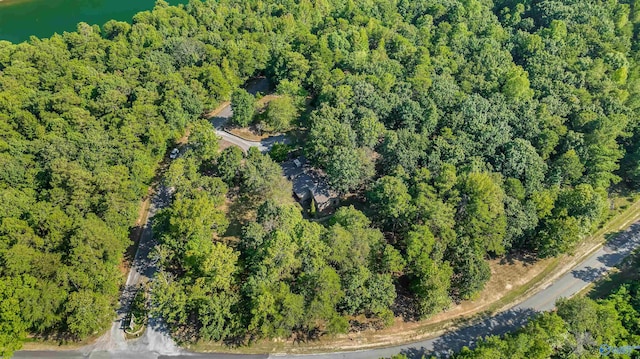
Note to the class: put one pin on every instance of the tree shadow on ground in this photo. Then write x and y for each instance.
(526, 258)
(405, 305)
(589, 274)
(619, 245)
(240, 211)
(235, 341)
(623, 240)
(628, 274)
(468, 336)
(415, 353)
(258, 84)
(126, 298)
(218, 122)
(611, 259)
(611, 236)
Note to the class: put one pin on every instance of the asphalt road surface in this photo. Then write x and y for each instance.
(155, 338)
(156, 343)
(567, 285)
(258, 84)
(221, 119)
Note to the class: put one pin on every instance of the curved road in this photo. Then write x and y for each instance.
(567, 285)
(221, 119)
(155, 343)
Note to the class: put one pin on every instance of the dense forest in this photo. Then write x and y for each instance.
(465, 129)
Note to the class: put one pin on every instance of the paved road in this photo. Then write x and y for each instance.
(155, 343)
(565, 286)
(221, 119)
(155, 340)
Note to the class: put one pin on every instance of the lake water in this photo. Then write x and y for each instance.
(20, 19)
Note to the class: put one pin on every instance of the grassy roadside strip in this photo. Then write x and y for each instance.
(586, 248)
(556, 268)
(240, 133)
(589, 245)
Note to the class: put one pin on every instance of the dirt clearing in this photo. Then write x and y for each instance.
(512, 280)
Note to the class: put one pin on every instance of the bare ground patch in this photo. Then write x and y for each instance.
(217, 110)
(40, 344)
(262, 103)
(248, 133)
(512, 280)
(222, 144)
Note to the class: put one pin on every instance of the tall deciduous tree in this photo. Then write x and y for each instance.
(204, 141)
(480, 212)
(228, 164)
(391, 201)
(431, 277)
(280, 113)
(349, 168)
(243, 106)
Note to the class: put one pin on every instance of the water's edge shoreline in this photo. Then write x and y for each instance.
(21, 19)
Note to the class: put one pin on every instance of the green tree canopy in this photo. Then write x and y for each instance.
(243, 106)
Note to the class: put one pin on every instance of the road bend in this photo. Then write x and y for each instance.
(567, 285)
(156, 343)
(221, 119)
